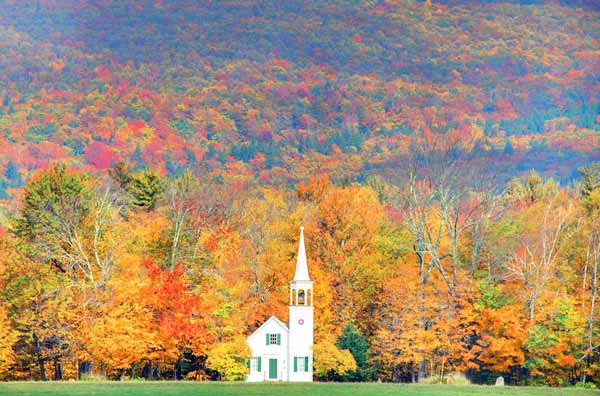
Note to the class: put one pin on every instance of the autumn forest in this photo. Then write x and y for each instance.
(157, 158)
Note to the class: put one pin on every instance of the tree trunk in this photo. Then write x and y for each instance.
(157, 371)
(177, 366)
(532, 298)
(58, 371)
(594, 286)
(442, 372)
(132, 372)
(147, 371)
(422, 319)
(40, 359)
(422, 370)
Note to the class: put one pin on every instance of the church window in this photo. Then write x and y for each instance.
(301, 364)
(273, 339)
(255, 364)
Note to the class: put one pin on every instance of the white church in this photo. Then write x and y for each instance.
(283, 352)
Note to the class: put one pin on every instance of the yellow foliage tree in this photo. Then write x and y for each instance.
(345, 247)
(7, 336)
(123, 331)
(229, 359)
(7, 339)
(329, 359)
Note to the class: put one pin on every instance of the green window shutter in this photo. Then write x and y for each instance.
(267, 338)
(278, 339)
(305, 363)
(295, 364)
(259, 364)
(248, 363)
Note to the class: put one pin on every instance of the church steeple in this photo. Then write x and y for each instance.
(301, 319)
(301, 264)
(301, 292)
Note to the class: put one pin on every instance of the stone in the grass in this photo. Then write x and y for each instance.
(500, 381)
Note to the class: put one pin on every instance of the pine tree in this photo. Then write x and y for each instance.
(358, 346)
(591, 178)
(54, 201)
(146, 188)
(590, 190)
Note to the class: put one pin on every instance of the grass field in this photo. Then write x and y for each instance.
(243, 389)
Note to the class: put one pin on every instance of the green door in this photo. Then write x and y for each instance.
(272, 368)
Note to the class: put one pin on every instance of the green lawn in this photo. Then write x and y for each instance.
(243, 389)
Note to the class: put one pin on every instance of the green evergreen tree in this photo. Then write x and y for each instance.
(591, 178)
(146, 188)
(590, 189)
(55, 200)
(357, 344)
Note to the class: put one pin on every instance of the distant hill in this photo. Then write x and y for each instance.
(280, 90)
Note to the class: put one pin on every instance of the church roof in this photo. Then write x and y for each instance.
(301, 264)
(271, 319)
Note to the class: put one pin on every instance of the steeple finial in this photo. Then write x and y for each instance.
(301, 265)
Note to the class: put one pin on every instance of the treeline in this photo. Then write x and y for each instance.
(432, 270)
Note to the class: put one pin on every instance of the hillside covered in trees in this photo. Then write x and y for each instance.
(157, 159)
(282, 90)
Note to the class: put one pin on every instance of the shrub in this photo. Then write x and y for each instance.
(435, 379)
(93, 377)
(457, 378)
(586, 385)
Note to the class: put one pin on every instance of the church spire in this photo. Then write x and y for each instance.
(301, 265)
